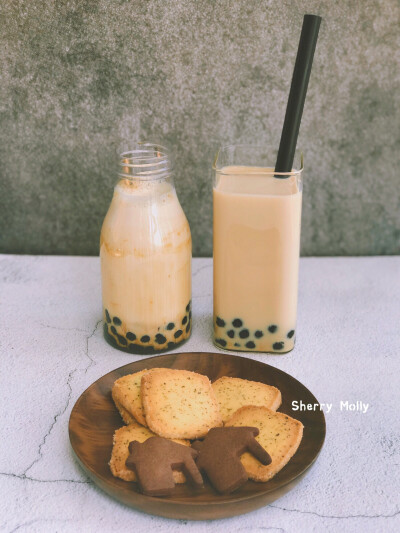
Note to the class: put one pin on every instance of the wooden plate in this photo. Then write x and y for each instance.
(94, 419)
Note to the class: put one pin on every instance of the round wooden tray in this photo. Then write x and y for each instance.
(94, 419)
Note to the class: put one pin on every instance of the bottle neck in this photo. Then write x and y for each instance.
(145, 163)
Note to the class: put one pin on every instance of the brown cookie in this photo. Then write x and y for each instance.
(219, 455)
(120, 452)
(154, 462)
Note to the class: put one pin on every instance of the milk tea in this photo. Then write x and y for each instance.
(145, 251)
(256, 259)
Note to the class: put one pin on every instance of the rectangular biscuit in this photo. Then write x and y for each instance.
(280, 435)
(234, 393)
(179, 403)
(120, 452)
(127, 397)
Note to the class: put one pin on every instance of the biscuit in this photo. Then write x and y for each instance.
(280, 435)
(126, 417)
(233, 393)
(127, 398)
(120, 452)
(179, 403)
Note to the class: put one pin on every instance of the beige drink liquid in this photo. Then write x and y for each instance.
(145, 250)
(256, 258)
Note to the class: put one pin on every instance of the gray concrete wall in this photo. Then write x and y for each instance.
(81, 80)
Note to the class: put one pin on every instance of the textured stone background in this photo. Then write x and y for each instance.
(82, 79)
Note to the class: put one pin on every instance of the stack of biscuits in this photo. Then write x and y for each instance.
(183, 406)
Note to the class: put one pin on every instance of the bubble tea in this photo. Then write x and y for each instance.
(146, 251)
(256, 252)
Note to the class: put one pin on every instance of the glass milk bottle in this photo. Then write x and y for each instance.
(146, 252)
(257, 215)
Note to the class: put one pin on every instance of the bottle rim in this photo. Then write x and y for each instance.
(147, 161)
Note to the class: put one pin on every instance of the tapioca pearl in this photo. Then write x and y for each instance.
(145, 338)
(170, 326)
(117, 321)
(250, 345)
(133, 347)
(221, 342)
(122, 340)
(184, 320)
(187, 328)
(290, 334)
(278, 345)
(230, 333)
(190, 315)
(160, 339)
(178, 333)
(237, 344)
(188, 305)
(108, 318)
(113, 330)
(130, 336)
(258, 334)
(220, 323)
(272, 328)
(244, 333)
(237, 323)
(171, 345)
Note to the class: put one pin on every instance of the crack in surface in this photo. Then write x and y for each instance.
(92, 362)
(37, 480)
(38, 520)
(204, 267)
(63, 410)
(55, 418)
(62, 329)
(395, 513)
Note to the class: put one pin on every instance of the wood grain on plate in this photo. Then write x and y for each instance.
(94, 419)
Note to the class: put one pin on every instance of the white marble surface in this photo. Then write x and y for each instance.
(348, 348)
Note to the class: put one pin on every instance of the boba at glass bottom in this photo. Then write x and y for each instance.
(235, 335)
(168, 337)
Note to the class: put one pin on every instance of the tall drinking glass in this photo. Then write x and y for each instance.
(257, 216)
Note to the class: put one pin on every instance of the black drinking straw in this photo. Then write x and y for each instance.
(297, 95)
